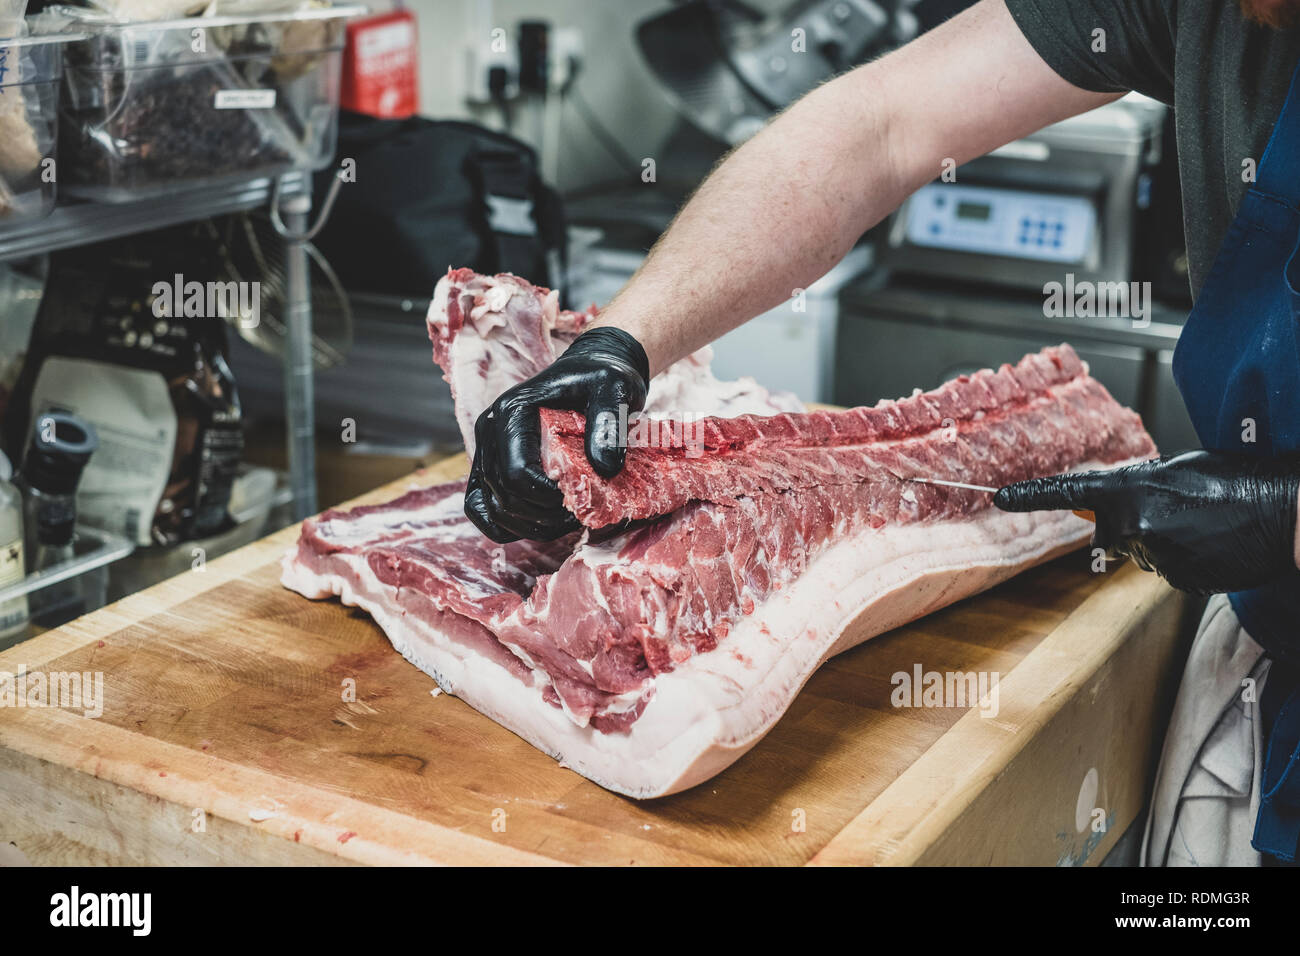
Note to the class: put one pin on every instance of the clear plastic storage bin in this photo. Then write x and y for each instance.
(148, 106)
(29, 96)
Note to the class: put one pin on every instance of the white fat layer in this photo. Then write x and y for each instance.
(715, 706)
(351, 529)
(614, 704)
(689, 389)
(474, 390)
(441, 292)
(496, 298)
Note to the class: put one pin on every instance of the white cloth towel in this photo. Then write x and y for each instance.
(1207, 788)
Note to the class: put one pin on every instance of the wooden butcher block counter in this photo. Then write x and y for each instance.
(242, 723)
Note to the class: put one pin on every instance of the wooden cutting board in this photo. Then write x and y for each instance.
(243, 724)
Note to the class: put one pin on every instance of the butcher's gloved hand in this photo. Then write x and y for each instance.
(509, 496)
(1206, 521)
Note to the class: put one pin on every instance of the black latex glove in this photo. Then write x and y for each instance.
(1205, 521)
(509, 496)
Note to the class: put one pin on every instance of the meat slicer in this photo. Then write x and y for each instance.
(728, 65)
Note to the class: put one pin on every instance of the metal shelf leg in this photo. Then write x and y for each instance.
(299, 382)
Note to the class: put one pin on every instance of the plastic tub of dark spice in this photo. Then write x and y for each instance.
(148, 106)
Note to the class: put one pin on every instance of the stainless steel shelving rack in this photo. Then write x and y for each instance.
(75, 223)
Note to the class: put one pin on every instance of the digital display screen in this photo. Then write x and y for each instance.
(974, 211)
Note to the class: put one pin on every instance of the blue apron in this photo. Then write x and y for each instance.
(1239, 359)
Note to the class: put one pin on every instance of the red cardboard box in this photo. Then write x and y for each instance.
(381, 75)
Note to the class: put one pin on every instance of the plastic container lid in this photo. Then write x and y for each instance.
(42, 39)
(42, 55)
(86, 18)
(37, 40)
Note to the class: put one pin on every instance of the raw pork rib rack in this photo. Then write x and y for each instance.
(649, 657)
(491, 332)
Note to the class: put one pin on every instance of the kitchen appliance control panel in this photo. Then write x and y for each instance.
(1002, 222)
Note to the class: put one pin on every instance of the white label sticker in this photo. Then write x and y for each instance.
(514, 216)
(389, 38)
(244, 99)
(13, 613)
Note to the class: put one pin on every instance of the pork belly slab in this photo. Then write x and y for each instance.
(648, 658)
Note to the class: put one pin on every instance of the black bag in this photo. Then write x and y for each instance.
(100, 310)
(430, 195)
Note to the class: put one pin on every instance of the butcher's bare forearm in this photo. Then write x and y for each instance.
(784, 208)
(774, 217)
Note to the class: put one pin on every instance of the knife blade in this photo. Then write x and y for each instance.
(1085, 515)
(954, 484)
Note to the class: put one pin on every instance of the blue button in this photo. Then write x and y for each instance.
(935, 228)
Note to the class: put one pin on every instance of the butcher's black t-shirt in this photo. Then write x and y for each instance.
(1225, 76)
